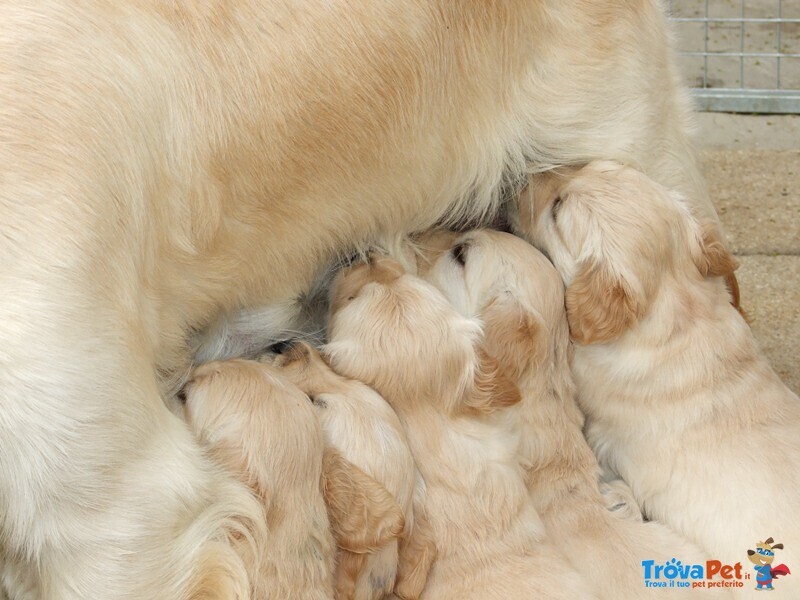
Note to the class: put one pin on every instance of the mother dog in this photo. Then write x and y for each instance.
(162, 162)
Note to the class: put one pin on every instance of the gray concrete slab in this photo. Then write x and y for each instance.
(723, 131)
(770, 288)
(757, 194)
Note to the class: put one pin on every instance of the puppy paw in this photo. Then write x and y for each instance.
(619, 500)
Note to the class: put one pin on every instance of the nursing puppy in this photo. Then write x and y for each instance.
(399, 334)
(679, 400)
(165, 163)
(262, 428)
(519, 297)
(358, 423)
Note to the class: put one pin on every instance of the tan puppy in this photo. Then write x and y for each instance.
(260, 426)
(399, 334)
(679, 399)
(358, 423)
(365, 520)
(519, 296)
(164, 162)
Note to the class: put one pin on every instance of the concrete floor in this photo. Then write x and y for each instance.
(752, 164)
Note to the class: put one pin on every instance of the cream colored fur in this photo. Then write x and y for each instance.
(398, 334)
(364, 429)
(679, 399)
(519, 296)
(262, 428)
(165, 163)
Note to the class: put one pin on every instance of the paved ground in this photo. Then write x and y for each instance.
(752, 164)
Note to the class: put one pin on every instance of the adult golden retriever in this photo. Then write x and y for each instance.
(166, 161)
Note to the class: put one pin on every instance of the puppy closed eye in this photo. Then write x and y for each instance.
(318, 401)
(556, 207)
(459, 252)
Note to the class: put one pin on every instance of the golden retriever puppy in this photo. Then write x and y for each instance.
(365, 520)
(679, 400)
(163, 163)
(518, 295)
(399, 334)
(261, 427)
(358, 423)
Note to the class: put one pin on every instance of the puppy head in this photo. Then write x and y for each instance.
(303, 365)
(509, 285)
(400, 335)
(340, 402)
(613, 234)
(255, 422)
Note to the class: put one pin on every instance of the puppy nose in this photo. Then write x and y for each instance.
(459, 252)
(185, 390)
(282, 347)
(290, 351)
(199, 374)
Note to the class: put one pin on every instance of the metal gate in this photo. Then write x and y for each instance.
(740, 55)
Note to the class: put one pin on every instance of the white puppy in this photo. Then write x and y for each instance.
(364, 429)
(519, 296)
(400, 335)
(679, 399)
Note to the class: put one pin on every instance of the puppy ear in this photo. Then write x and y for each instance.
(713, 258)
(364, 516)
(513, 336)
(601, 306)
(491, 389)
(236, 459)
(415, 557)
(348, 568)
(777, 546)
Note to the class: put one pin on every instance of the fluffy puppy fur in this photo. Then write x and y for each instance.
(518, 295)
(678, 397)
(358, 423)
(164, 162)
(398, 333)
(259, 426)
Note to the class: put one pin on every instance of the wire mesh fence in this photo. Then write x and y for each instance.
(741, 55)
